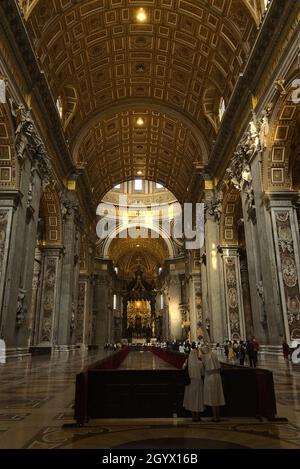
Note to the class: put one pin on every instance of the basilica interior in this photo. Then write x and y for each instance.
(119, 114)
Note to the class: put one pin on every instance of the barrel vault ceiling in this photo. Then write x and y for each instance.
(145, 253)
(107, 69)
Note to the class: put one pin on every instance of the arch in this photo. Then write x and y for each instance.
(151, 105)
(114, 145)
(171, 58)
(27, 6)
(107, 242)
(51, 212)
(69, 97)
(256, 8)
(8, 164)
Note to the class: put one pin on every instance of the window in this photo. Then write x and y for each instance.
(116, 270)
(162, 302)
(160, 270)
(59, 107)
(117, 187)
(115, 302)
(138, 185)
(159, 186)
(222, 109)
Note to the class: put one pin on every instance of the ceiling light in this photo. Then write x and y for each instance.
(137, 245)
(139, 173)
(141, 15)
(140, 121)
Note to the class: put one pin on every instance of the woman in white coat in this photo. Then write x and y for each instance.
(2, 351)
(213, 388)
(193, 394)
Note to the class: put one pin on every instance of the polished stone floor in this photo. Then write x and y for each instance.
(37, 396)
(144, 361)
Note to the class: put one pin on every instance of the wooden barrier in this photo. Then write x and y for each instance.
(104, 391)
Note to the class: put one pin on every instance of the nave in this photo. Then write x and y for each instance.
(37, 398)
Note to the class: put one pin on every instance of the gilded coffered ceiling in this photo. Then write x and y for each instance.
(130, 254)
(177, 64)
(118, 149)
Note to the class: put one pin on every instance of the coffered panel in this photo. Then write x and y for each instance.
(118, 149)
(102, 51)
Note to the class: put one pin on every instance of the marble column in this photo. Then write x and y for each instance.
(233, 294)
(48, 306)
(174, 300)
(215, 282)
(70, 272)
(124, 315)
(19, 212)
(103, 321)
(36, 283)
(254, 259)
(205, 319)
(285, 232)
(267, 288)
(246, 295)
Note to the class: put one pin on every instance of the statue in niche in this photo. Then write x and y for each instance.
(21, 309)
(264, 130)
(207, 328)
(261, 295)
(73, 316)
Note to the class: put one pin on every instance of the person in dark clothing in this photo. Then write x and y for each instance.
(252, 354)
(256, 348)
(285, 350)
(226, 350)
(242, 352)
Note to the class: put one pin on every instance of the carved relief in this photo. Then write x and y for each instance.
(214, 207)
(27, 137)
(289, 271)
(239, 171)
(80, 312)
(232, 295)
(3, 237)
(48, 302)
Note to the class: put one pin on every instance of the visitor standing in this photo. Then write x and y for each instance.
(285, 350)
(213, 388)
(2, 351)
(242, 352)
(256, 348)
(193, 393)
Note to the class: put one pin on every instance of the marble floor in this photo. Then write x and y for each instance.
(36, 411)
(144, 361)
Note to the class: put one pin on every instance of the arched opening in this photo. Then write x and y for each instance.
(138, 248)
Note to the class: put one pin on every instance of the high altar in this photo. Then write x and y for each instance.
(139, 316)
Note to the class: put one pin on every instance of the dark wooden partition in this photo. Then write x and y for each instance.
(104, 391)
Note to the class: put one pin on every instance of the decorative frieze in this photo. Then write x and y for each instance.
(288, 260)
(5, 226)
(48, 299)
(214, 207)
(81, 311)
(27, 138)
(233, 293)
(239, 173)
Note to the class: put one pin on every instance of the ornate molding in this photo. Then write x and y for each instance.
(214, 207)
(27, 138)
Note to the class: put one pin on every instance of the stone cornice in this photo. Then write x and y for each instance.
(14, 28)
(279, 15)
(13, 197)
